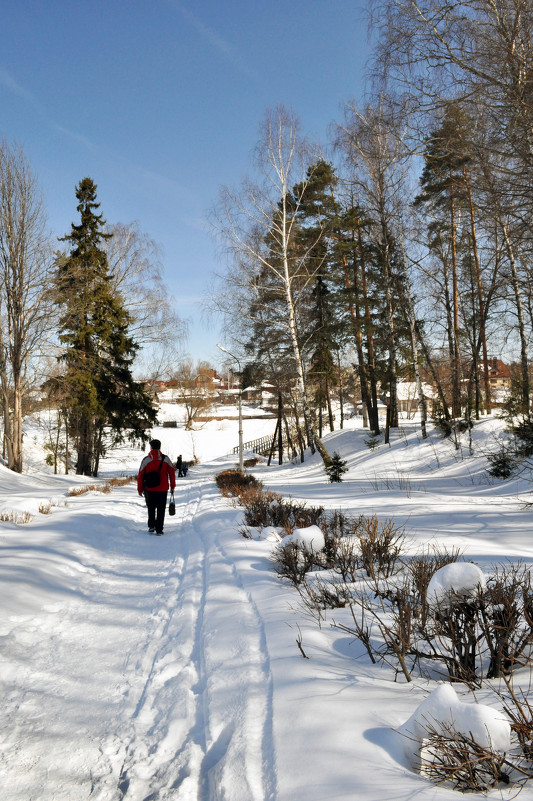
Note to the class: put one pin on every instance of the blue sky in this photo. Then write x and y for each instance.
(160, 102)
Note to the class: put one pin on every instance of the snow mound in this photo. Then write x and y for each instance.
(462, 579)
(443, 710)
(310, 538)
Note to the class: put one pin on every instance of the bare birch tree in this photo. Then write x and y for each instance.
(25, 313)
(259, 223)
(135, 266)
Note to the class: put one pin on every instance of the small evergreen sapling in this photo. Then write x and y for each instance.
(337, 468)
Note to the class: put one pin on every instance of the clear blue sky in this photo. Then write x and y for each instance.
(159, 102)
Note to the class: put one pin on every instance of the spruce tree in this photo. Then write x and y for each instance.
(103, 399)
(337, 468)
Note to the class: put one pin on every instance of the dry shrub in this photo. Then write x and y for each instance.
(74, 491)
(344, 557)
(381, 545)
(16, 517)
(121, 482)
(506, 619)
(267, 508)
(519, 710)
(457, 759)
(253, 462)
(289, 514)
(44, 508)
(257, 504)
(293, 562)
(339, 525)
(234, 483)
(104, 487)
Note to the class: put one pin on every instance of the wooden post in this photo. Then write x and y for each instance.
(273, 444)
(280, 429)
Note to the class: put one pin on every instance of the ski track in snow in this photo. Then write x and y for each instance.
(187, 701)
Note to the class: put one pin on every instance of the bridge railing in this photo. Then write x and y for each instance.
(261, 445)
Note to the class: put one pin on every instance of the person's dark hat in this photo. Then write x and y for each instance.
(155, 444)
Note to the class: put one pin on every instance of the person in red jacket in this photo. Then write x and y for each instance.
(156, 473)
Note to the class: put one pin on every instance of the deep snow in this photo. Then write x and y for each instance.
(167, 668)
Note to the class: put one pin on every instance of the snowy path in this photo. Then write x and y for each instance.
(135, 683)
(166, 668)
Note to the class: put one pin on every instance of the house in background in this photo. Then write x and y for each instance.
(407, 396)
(263, 396)
(499, 380)
(207, 380)
(499, 373)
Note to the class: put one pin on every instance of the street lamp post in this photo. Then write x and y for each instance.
(241, 445)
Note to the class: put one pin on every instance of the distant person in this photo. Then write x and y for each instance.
(179, 466)
(156, 473)
(185, 468)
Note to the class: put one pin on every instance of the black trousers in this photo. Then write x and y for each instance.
(156, 502)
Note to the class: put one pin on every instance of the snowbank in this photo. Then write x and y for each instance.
(462, 579)
(443, 710)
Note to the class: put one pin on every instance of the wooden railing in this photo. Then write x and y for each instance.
(261, 445)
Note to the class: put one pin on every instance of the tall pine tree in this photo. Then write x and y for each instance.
(103, 399)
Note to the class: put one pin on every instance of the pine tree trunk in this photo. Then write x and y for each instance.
(341, 397)
(328, 401)
(521, 324)
(393, 378)
(456, 365)
(482, 325)
(373, 407)
(422, 406)
(436, 379)
(280, 429)
(358, 339)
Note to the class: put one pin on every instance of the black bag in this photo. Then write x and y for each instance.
(153, 478)
(172, 506)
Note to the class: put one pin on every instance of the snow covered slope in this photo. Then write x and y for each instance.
(144, 668)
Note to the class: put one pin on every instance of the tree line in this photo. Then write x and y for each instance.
(73, 321)
(402, 248)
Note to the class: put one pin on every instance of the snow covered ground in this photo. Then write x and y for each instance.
(152, 668)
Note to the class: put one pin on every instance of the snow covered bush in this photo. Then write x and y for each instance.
(477, 627)
(421, 567)
(310, 538)
(464, 744)
(511, 453)
(298, 553)
(289, 514)
(455, 583)
(442, 710)
(429, 613)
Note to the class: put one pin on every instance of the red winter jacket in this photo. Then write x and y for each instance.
(151, 463)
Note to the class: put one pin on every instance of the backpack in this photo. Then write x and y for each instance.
(153, 478)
